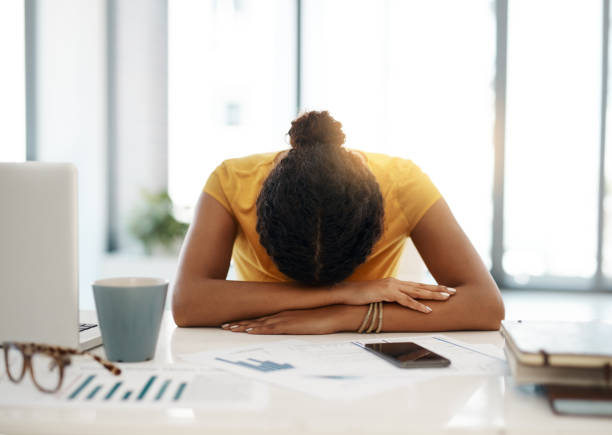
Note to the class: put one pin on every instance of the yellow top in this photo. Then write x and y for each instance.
(407, 193)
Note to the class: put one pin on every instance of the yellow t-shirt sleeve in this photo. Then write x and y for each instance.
(216, 186)
(414, 192)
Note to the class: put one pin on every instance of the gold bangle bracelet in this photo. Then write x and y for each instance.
(374, 318)
(365, 320)
(380, 317)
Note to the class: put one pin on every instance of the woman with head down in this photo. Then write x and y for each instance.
(316, 233)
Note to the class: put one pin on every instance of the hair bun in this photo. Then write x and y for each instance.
(312, 128)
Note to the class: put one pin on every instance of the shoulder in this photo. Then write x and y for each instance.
(250, 163)
(391, 169)
(385, 161)
(236, 182)
(406, 188)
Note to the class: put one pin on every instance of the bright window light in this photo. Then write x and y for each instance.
(552, 139)
(231, 86)
(411, 79)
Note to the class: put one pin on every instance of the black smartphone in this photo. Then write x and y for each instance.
(408, 355)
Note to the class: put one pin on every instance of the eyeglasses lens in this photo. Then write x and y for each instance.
(15, 363)
(46, 371)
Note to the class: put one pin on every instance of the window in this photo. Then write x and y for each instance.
(231, 86)
(415, 84)
(552, 141)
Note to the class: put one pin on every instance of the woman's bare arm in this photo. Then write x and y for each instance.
(203, 296)
(453, 261)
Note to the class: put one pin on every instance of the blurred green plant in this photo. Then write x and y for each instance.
(154, 224)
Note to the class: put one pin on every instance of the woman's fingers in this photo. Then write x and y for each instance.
(418, 293)
(417, 306)
(412, 291)
(435, 288)
(235, 326)
(426, 291)
(243, 325)
(260, 329)
(255, 326)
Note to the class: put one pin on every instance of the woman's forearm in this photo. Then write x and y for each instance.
(212, 302)
(469, 309)
(478, 308)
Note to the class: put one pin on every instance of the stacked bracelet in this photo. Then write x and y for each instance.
(366, 319)
(375, 312)
(374, 318)
(380, 317)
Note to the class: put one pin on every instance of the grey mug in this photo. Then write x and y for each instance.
(129, 313)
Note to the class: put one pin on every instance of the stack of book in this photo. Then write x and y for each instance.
(571, 360)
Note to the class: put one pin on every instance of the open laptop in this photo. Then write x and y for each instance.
(39, 284)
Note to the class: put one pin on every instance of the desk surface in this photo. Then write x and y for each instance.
(464, 404)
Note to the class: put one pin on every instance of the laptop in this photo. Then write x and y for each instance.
(39, 283)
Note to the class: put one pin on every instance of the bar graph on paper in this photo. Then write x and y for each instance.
(135, 389)
(162, 387)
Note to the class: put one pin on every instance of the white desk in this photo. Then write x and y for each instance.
(467, 404)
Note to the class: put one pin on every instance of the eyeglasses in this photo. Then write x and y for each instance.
(45, 363)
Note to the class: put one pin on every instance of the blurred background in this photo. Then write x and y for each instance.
(502, 102)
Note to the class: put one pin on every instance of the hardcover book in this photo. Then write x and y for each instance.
(562, 344)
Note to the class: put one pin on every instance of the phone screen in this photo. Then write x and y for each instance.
(408, 355)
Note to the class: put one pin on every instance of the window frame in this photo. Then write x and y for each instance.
(597, 282)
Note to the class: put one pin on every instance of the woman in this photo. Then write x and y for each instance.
(316, 233)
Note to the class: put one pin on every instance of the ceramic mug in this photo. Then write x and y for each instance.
(129, 313)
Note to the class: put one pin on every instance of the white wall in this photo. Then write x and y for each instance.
(12, 81)
(138, 106)
(71, 107)
(82, 76)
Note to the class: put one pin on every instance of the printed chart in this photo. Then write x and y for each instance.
(172, 386)
(157, 388)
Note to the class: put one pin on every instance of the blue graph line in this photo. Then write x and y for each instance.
(162, 389)
(94, 392)
(262, 366)
(83, 385)
(146, 387)
(179, 391)
(336, 377)
(112, 391)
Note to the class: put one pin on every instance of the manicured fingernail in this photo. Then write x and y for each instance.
(445, 294)
(248, 329)
(450, 289)
(225, 325)
(428, 308)
(233, 326)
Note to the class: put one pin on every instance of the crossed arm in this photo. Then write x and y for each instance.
(467, 297)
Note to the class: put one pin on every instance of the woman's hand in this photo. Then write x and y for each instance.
(404, 293)
(324, 320)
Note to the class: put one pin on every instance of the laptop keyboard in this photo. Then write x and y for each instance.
(86, 326)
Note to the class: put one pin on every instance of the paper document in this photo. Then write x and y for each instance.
(140, 386)
(331, 371)
(343, 370)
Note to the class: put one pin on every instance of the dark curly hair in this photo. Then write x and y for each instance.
(320, 210)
